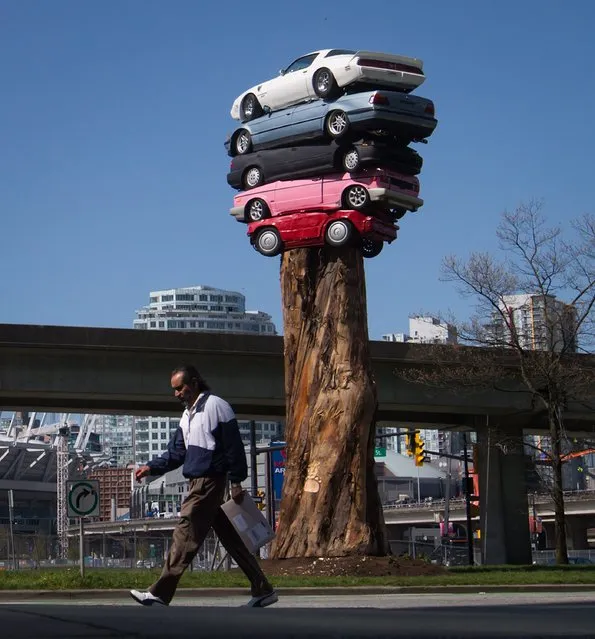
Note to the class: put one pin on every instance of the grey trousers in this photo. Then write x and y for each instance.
(201, 511)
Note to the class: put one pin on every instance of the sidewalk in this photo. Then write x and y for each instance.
(28, 595)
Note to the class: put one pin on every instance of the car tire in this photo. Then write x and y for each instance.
(371, 248)
(268, 242)
(324, 84)
(338, 233)
(336, 124)
(242, 142)
(351, 160)
(356, 197)
(253, 177)
(250, 108)
(257, 210)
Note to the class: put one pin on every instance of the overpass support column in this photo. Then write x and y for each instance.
(577, 533)
(504, 514)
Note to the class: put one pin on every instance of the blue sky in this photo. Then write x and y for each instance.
(113, 116)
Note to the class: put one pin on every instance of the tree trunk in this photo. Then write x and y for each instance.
(557, 494)
(330, 504)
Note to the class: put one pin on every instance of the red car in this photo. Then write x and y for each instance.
(272, 236)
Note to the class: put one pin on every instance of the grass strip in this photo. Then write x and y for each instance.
(106, 578)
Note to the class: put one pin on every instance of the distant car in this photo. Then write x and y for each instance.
(317, 228)
(252, 170)
(406, 118)
(358, 191)
(324, 74)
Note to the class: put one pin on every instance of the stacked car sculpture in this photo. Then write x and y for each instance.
(322, 154)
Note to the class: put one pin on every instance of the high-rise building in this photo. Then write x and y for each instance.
(197, 309)
(201, 308)
(115, 432)
(425, 330)
(540, 322)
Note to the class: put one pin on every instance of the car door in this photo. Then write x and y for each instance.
(292, 85)
(294, 195)
(307, 120)
(269, 130)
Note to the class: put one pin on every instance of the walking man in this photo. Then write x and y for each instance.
(208, 444)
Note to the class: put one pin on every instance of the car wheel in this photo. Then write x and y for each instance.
(338, 232)
(250, 108)
(371, 248)
(324, 83)
(252, 177)
(351, 161)
(268, 242)
(356, 197)
(256, 210)
(337, 124)
(242, 142)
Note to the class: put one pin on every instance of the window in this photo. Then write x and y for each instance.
(167, 298)
(230, 309)
(203, 298)
(153, 300)
(161, 324)
(334, 52)
(153, 324)
(216, 308)
(301, 63)
(185, 297)
(164, 435)
(216, 298)
(154, 435)
(154, 446)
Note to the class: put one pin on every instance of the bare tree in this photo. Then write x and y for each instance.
(531, 340)
(330, 504)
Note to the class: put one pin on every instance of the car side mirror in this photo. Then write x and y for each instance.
(281, 71)
(266, 109)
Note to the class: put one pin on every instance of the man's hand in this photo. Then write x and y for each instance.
(237, 493)
(141, 472)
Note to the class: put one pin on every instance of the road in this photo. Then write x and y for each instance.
(394, 615)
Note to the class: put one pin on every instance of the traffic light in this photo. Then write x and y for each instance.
(420, 453)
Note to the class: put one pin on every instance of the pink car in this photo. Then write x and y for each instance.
(329, 193)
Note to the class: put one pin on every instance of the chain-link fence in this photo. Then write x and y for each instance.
(105, 551)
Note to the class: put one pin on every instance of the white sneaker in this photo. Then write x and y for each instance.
(262, 601)
(146, 598)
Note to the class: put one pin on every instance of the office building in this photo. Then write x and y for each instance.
(425, 330)
(539, 322)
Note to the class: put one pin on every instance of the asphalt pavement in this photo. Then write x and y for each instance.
(382, 615)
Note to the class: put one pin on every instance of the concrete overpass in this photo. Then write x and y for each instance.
(97, 370)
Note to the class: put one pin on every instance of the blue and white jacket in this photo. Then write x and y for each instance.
(207, 442)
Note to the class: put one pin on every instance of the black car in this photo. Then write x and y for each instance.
(310, 160)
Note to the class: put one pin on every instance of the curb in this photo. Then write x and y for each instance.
(29, 595)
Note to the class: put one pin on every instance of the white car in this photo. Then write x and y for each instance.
(323, 74)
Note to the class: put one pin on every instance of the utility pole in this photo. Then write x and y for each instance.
(468, 503)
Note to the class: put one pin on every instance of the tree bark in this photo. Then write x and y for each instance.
(557, 493)
(330, 504)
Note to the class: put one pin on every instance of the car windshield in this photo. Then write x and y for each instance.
(301, 63)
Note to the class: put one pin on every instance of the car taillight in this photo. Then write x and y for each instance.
(393, 66)
(378, 98)
(429, 110)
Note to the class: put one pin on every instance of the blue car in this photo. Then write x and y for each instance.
(405, 117)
